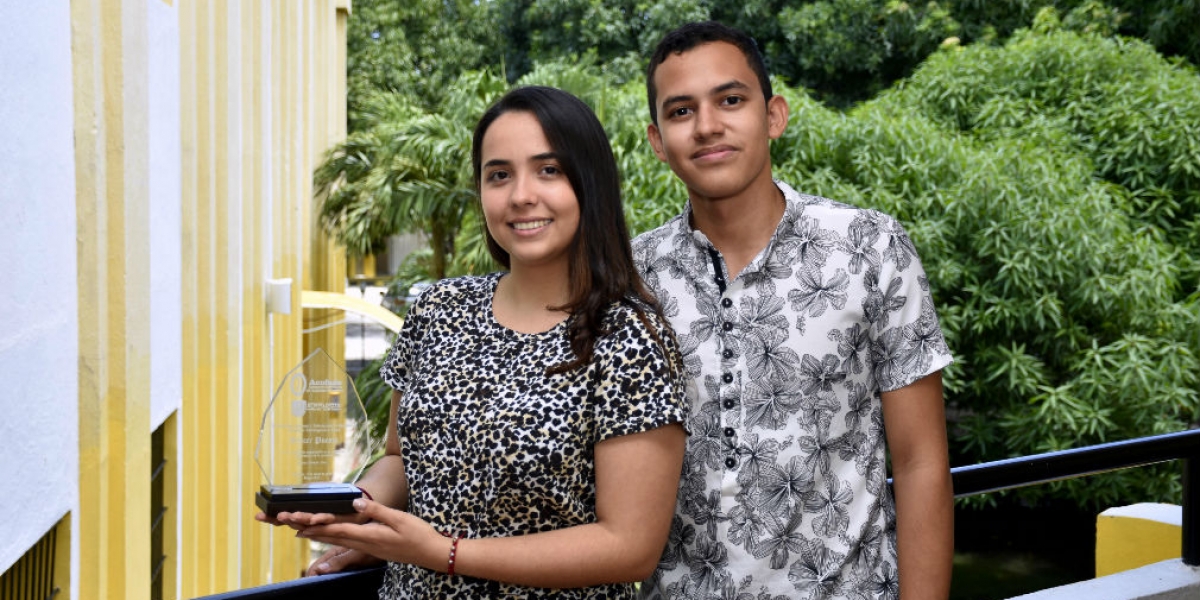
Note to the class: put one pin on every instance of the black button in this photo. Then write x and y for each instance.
(730, 462)
(727, 353)
(729, 432)
(726, 302)
(727, 378)
(729, 403)
(727, 326)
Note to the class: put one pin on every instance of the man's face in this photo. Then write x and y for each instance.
(714, 125)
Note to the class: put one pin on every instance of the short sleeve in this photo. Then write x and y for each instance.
(908, 342)
(400, 359)
(638, 376)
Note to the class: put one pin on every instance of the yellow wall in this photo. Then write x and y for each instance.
(262, 93)
(263, 96)
(109, 52)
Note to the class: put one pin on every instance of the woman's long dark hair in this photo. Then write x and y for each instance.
(601, 269)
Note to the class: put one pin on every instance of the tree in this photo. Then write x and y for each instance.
(1069, 299)
(407, 170)
(1050, 177)
(415, 48)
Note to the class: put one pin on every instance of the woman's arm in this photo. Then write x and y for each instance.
(915, 421)
(385, 480)
(637, 476)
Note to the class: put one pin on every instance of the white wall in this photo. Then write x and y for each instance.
(39, 346)
(166, 189)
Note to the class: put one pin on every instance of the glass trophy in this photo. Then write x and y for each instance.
(305, 452)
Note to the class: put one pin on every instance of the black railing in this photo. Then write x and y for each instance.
(354, 585)
(968, 481)
(1091, 460)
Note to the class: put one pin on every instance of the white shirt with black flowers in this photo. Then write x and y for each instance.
(784, 492)
(493, 446)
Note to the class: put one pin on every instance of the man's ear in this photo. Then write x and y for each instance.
(777, 116)
(655, 138)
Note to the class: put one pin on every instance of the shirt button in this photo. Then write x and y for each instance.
(726, 302)
(727, 326)
(729, 432)
(729, 403)
(727, 353)
(727, 378)
(730, 463)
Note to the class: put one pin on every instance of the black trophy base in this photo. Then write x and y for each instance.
(336, 498)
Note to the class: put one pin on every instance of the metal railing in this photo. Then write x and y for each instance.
(1091, 460)
(968, 481)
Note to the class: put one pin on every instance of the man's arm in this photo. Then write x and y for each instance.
(915, 421)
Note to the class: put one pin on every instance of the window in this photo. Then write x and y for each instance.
(44, 571)
(158, 511)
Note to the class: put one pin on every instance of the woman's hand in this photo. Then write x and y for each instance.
(379, 531)
(301, 520)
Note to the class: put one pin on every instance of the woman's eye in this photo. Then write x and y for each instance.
(497, 176)
(551, 170)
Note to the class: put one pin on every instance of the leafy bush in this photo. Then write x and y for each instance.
(1066, 297)
(1052, 185)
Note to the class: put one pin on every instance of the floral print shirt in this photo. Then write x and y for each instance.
(784, 492)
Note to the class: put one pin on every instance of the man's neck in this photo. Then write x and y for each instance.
(740, 227)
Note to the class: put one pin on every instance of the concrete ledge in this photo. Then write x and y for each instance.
(1166, 580)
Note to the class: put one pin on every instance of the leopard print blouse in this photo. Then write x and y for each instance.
(493, 446)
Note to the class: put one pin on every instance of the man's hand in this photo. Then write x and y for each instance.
(338, 559)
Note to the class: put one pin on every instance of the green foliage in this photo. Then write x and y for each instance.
(1114, 102)
(415, 48)
(1067, 299)
(1051, 182)
(408, 170)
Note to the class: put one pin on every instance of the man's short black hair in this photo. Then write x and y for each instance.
(694, 34)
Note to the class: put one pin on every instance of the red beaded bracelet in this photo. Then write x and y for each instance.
(453, 551)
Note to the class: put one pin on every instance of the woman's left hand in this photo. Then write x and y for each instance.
(389, 534)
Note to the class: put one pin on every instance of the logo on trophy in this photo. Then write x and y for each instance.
(305, 450)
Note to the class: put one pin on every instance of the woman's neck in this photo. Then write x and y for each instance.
(524, 301)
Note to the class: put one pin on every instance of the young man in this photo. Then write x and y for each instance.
(807, 326)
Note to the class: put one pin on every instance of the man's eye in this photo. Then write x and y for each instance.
(732, 100)
(680, 112)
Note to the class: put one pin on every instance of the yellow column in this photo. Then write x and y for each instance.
(256, 388)
(109, 50)
(1128, 537)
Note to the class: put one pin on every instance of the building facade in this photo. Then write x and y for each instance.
(156, 162)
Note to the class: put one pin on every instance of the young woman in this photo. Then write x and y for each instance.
(535, 441)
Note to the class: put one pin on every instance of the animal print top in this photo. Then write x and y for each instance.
(493, 446)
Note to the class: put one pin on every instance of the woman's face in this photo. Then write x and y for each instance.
(528, 203)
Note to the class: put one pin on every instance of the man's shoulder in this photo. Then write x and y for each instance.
(648, 241)
(829, 212)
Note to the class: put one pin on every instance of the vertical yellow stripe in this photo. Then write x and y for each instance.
(226, 400)
(255, 389)
(250, 145)
(191, 553)
(171, 497)
(109, 50)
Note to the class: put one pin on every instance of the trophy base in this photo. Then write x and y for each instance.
(336, 498)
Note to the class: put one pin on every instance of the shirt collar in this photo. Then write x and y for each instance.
(793, 208)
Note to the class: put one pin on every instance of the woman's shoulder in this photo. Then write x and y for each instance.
(630, 319)
(458, 290)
